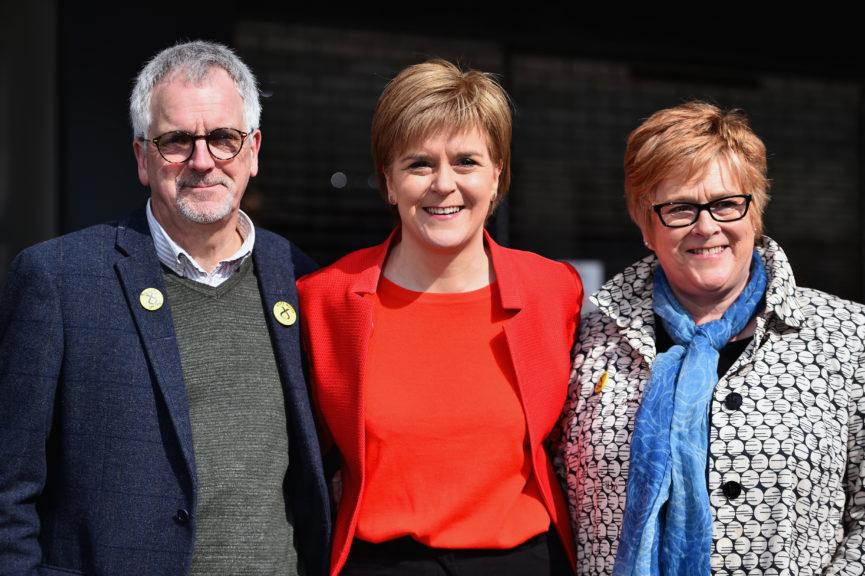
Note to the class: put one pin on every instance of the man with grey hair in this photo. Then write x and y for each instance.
(154, 417)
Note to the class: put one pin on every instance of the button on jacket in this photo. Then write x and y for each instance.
(785, 463)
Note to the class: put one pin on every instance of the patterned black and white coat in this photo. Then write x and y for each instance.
(786, 459)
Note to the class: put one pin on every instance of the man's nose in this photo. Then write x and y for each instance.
(201, 160)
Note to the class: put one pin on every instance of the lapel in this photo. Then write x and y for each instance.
(357, 317)
(274, 269)
(627, 299)
(781, 301)
(140, 269)
(521, 331)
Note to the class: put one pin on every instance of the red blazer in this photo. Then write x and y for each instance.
(337, 320)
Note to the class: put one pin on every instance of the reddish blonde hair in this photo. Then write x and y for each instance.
(680, 142)
(436, 95)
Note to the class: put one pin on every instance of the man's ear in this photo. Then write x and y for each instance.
(140, 149)
(254, 146)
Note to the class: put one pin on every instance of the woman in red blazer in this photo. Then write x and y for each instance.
(439, 359)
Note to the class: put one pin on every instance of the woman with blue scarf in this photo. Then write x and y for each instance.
(715, 413)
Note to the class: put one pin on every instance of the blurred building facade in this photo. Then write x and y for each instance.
(578, 90)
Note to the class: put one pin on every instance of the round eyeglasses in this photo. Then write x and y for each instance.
(681, 214)
(178, 146)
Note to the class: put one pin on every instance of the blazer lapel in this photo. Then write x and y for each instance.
(520, 333)
(358, 318)
(139, 270)
(275, 272)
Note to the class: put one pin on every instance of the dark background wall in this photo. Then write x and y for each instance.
(580, 84)
(29, 127)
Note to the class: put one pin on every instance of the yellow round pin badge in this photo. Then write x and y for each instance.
(284, 313)
(151, 299)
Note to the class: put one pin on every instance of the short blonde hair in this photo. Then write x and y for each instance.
(680, 142)
(436, 95)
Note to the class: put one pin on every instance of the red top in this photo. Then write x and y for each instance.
(447, 458)
(337, 315)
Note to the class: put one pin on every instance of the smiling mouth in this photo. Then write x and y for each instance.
(707, 251)
(199, 185)
(201, 181)
(443, 211)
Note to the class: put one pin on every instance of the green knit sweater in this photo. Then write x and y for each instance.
(239, 433)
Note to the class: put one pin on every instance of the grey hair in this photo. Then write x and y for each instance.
(195, 60)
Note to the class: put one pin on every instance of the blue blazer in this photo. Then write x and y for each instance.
(97, 471)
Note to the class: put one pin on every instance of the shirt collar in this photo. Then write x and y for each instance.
(172, 255)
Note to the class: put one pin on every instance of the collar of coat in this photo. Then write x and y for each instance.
(627, 297)
(366, 281)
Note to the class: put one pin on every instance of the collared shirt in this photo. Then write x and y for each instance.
(184, 265)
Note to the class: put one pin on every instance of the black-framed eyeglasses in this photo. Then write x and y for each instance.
(681, 214)
(178, 146)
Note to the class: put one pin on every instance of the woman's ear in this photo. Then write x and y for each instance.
(391, 199)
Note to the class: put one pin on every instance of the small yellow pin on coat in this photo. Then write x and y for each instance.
(151, 299)
(284, 313)
(602, 381)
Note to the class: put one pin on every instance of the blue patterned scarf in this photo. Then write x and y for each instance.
(670, 444)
